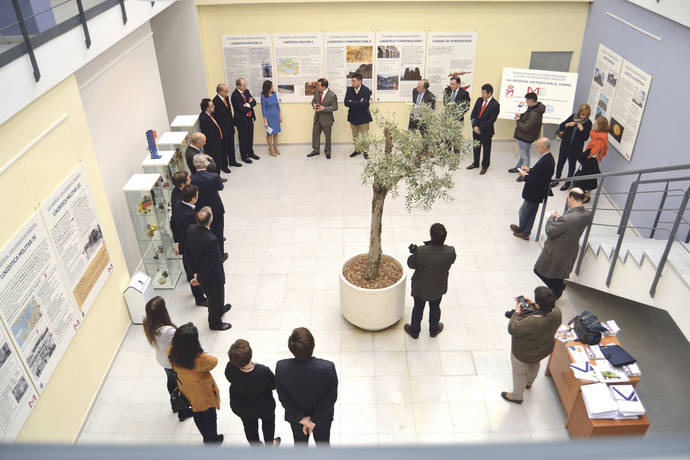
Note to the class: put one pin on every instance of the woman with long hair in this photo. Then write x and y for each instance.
(193, 368)
(595, 151)
(573, 132)
(273, 117)
(159, 332)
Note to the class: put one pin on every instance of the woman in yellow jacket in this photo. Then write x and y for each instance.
(195, 381)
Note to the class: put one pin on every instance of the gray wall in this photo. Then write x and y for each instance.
(662, 138)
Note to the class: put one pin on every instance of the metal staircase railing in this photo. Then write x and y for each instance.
(632, 193)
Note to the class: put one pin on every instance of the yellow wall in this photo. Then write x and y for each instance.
(64, 404)
(507, 33)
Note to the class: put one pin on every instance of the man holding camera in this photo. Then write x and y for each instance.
(532, 326)
(431, 264)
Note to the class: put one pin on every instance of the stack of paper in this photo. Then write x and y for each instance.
(594, 352)
(629, 404)
(611, 327)
(584, 371)
(599, 402)
(577, 353)
(565, 334)
(610, 374)
(632, 370)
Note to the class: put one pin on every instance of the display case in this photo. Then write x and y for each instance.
(175, 141)
(148, 208)
(186, 123)
(165, 166)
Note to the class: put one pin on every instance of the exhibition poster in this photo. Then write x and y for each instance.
(17, 394)
(298, 64)
(248, 56)
(72, 222)
(450, 54)
(556, 90)
(400, 62)
(37, 310)
(347, 54)
(606, 75)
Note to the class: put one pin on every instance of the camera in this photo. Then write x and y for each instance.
(526, 309)
(412, 247)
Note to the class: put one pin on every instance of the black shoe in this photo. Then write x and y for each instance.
(220, 439)
(520, 179)
(513, 170)
(514, 228)
(235, 164)
(528, 386)
(565, 187)
(276, 441)
(254, 156)
(247, 160)
(225, 256)
(354, 154)
(408, 329)
(437, 331)
(224, 239)
(328, 156)
(553, 184)
(365, 155)
(504, 395)
(312, 154)
(221, 326)
(226, 308)
(226, 170)
(184, 415)
(202, 303)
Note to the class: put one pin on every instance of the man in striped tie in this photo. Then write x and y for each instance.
(483, 117)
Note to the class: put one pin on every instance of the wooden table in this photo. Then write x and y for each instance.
(578, 422)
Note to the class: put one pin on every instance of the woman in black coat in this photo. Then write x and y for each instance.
(573, 132)
(251, 394)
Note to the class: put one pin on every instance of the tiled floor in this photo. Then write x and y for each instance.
(290, 222)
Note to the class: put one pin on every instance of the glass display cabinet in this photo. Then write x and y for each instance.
(165, 166)
(177, 142)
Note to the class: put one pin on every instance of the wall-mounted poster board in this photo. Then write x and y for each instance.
(347, 54)
(248, 56)
(298, 64)
(400, 64)
(450, 54)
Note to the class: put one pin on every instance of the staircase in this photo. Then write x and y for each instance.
(615, 257)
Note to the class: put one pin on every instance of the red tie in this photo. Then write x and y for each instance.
(249, 114)
(321, 99)
(219, 130)
(482, 110)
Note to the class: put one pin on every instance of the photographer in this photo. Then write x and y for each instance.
(533, 324)
(431, 264)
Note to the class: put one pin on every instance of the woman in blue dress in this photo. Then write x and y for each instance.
(273, 117)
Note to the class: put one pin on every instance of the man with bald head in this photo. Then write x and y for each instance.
(563, 242)
(537, 185)
(223, 114)
(196, 144)
(420, 95)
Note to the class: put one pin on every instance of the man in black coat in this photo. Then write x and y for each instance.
(431, 264)
(357, 99)
(183, 216)
(196, 144)
(223, 115)
(203, 264)
(214, 134)
(483, 117)
(537, 186)
(455, 94)
(307, 388)
(243, 105)
(421, 95)
(209, 185)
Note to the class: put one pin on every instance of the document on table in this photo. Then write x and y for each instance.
(577, 353)
(610, 374)
(584, 370)
(598, 401)
(629, 404)
(594, 352)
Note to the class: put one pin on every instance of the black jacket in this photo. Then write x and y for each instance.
(528, 126)
(240, 110)
(487, 120)
(182, 218)
(251, 393)
(209, 184)
(223, 115)
(431, 264)
(189, 157)
(537, 182)
(428, 98)
(358, 112)
(213, 145)
(307, 388)
(462, 99)
(202, 256)
(573, 140)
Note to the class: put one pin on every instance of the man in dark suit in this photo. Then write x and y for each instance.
(455, 94)
(243, 105)
(182, 217)
(563, 242)
(180, 179)
(420, 95)
(483, 117)
(209, 185)
(431, 264)
(196, 144)
(214, 134)
(203, 264)
(357, 101)
(223, 115)
(324, 103)
(307, 388)
(537, 186)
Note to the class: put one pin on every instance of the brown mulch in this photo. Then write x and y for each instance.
(390, 273)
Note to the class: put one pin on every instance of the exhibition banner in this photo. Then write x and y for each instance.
(347, 54)
(400, 64)
(37, 310)
(556, 90)
(298, 64)
(606, 75)
(450, 54)
(73, 225)
(17, 394)
(248, 56)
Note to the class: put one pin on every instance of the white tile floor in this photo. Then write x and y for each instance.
(290, 221)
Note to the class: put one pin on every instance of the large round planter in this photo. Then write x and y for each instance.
(372, 309)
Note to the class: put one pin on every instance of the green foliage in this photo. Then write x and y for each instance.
(424, 162)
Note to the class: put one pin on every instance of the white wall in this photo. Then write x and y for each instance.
(122, 97)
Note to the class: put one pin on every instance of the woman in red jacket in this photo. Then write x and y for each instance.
(594, 152)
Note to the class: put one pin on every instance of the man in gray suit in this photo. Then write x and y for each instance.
(560, 249)
(324, 103)
(431, 264)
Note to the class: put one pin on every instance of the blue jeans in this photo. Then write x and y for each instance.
(523, 148)
(418, 313)
(527, 214)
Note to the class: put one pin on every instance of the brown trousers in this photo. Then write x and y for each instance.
(523, 375)
(356, 129)
(316, 135)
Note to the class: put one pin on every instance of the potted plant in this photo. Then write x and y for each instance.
(372, 285)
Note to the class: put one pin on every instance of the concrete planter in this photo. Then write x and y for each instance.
(372, 309)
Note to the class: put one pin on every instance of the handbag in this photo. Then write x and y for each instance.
(178, 401)
(587, 328)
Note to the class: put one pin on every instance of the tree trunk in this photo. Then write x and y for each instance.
(371, 271)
